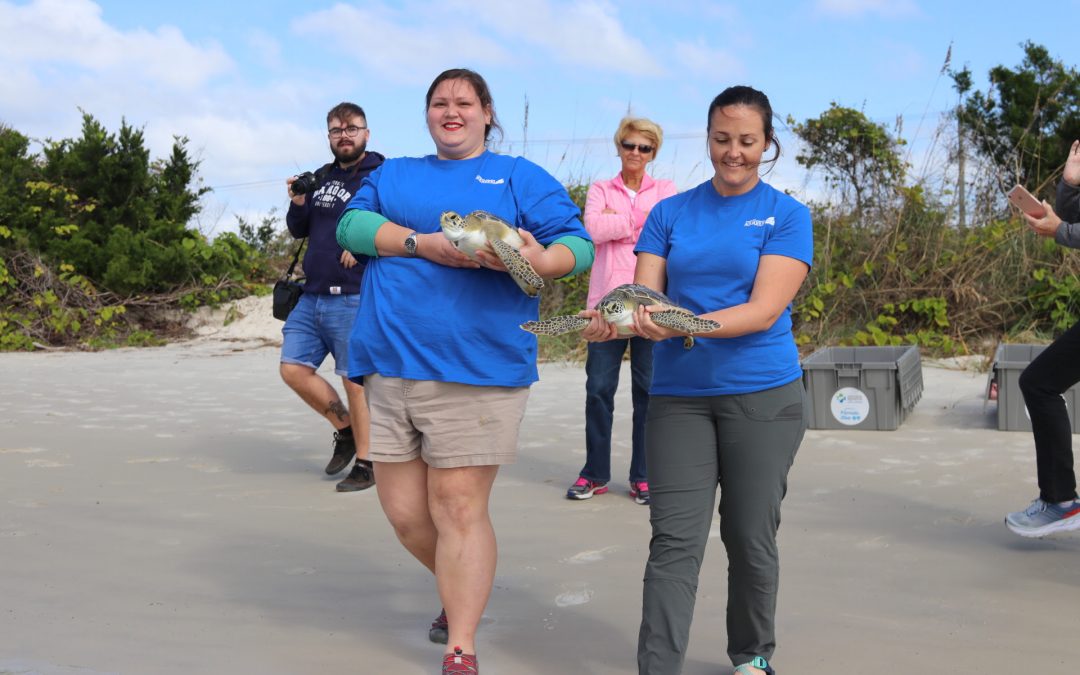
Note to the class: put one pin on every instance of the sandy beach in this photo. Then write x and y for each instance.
(164, 511)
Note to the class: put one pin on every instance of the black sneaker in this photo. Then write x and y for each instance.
(440, 629)
(344, 451)
(361, 477)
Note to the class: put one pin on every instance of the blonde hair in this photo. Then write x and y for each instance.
(646, 127)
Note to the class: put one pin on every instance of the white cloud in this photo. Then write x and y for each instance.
(236, 148)
(421, 37)
(885, 8)
(72, 34)
(698, 58)
(410, 44)
(587, 34)
(60, 56)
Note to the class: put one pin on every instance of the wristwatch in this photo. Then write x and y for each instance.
(410, 244)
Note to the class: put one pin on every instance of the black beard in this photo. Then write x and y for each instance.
(346, 156)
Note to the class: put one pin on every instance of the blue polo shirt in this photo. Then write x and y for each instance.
(425, 321)
(712, 245)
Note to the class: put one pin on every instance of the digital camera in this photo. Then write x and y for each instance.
(304, 183)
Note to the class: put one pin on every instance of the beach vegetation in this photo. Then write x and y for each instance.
(97, 247)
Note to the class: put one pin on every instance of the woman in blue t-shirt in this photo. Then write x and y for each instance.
(730, 410)
(436, 341)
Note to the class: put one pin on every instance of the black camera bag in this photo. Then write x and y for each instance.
(286, 291)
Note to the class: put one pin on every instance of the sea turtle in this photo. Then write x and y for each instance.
(617, 307)
(482, 230)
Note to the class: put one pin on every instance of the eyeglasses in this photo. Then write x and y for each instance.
(351, 131)
(629, 147)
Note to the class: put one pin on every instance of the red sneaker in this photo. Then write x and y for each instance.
(460, 663)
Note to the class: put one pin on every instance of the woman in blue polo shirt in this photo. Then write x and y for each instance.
(444, 365)
(730, 410)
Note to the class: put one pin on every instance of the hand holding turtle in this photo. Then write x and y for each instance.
(439, 249)
(488, 258)
(598, 330)
(620, 309)
(480, 234)
(1071, 174)
(531, 250)
(537, 255)
(643, 325)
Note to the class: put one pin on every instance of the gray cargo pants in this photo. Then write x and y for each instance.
(746, 443)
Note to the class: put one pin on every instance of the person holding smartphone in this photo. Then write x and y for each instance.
(1053, 372)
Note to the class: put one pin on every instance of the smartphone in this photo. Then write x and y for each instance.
(1026, 202)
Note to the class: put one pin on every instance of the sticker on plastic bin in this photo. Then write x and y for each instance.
(850, 406)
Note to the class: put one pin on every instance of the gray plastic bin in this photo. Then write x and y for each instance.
(1012, 414)
(870, 388)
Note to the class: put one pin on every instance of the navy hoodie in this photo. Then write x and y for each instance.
(317, 219)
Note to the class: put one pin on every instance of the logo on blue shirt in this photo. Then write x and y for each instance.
(489, 181)
(757, 222)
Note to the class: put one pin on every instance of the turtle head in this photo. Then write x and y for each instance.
(612, 309)
(453, 225)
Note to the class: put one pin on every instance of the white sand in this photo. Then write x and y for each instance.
(164, 511)
(249, 319)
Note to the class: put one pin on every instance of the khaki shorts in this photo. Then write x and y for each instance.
(446, 424)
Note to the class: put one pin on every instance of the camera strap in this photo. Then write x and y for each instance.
(322, 172)
(295, 258)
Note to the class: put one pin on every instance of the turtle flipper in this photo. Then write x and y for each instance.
(556, 325)
(519, 268)
(683, 321)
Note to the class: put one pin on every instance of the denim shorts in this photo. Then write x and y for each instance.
(317, 326)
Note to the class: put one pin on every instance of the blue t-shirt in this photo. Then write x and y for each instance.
(712, 245)
(424, 321)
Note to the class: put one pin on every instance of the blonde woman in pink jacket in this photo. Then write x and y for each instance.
(615, 212)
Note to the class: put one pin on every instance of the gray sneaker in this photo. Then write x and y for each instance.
(1042, 518)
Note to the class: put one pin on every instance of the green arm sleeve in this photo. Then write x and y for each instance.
(356, 231)
(584, 252)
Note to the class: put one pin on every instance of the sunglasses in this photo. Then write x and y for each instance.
(629, 147)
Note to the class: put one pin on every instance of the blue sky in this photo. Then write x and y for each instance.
(249, 83)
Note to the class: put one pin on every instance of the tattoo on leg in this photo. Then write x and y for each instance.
(339, 410)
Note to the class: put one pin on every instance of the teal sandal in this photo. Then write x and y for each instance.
(756, 662)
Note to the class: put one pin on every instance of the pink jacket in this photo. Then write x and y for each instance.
(615, 234)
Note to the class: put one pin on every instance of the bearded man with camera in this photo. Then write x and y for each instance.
(321, 321)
